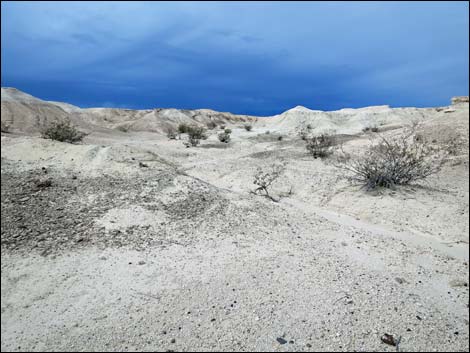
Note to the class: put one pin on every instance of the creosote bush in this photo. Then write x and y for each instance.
(373, 128)
(320, 146)
(396, 160)
(248, 127)
(224, 136)
(211, 125)
(62, 131)
(195, 135)
(5, 127)
(171, 133)
(183, 128)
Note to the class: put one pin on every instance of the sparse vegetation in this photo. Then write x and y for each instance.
(396, 160)
(62, 131)
(248, 127)
(303, 134)
(171, 133)
(5, 127)
(264, 180)
(183, 128)
(195, 135)
(123, 128)
(373, 128)
(224, 136)
(211, 125)
(280, 137)
(320, 146)
(228, 131)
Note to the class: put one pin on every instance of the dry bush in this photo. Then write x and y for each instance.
(62, 131)
(248, 127)
(123, 128)
(396, 160)
(197, 132)
(5, 127)
(303, 134)
(171, 133)
(195, 135)
(264, 179)
(225, 136)
(320, 146)
(373, 128)
(211, 125)
(183, 128)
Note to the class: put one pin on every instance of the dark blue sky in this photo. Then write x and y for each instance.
(253, 58)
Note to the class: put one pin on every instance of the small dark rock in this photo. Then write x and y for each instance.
(388, 339)
(281, 340)
(400, 280)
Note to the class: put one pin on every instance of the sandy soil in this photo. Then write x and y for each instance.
(178, 255)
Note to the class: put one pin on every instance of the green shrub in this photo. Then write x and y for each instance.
(171, 133)
(211, 125)
(224, 136)
(183, 128)
(195, 135)
(320, 146)
(62, 131)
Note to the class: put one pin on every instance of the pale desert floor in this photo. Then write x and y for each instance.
(179, 255)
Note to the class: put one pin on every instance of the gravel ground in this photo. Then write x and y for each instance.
(186, 259)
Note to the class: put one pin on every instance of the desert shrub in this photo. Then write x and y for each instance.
(5, 127)
(123, 128)
(192, 142)
(211, 125)
(267, 132)
(320, 146)
(373, 128)
(183, 128)
(224, 136)
(228, 131)
(248, 127)
(309, 127)
(222, 127)
(197, 132)
(265, 178)
(280, 137)
(397, 160)
(62, 131)
(171, 133)
(195, 135)
(303, 135)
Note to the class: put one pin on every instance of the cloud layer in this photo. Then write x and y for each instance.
(255, 58)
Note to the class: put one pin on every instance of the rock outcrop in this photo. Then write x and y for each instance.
(459, 100)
